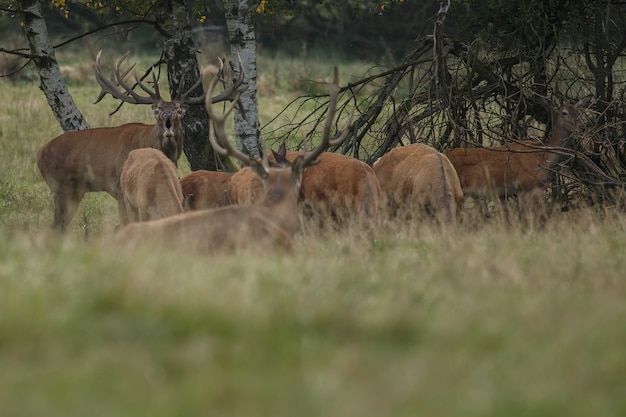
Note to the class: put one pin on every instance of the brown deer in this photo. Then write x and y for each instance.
(79, 162)
(210, 189)
(337, 185)
(150, 185)
(270, 223)
(417, 179)
(517, 167)
(204, 189)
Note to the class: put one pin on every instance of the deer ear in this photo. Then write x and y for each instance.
(556, 101)
(583, 102)
(280, 158)
(297, 169)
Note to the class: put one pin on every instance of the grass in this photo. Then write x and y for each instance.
(396, 320)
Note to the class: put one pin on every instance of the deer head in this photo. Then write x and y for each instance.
(168, 114)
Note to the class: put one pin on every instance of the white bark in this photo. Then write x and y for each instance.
(52, 82)
(240, 22)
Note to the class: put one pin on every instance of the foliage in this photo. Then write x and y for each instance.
(290, 8)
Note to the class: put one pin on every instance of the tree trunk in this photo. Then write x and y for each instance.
(52, 83)
(240, 23)
(174, 25)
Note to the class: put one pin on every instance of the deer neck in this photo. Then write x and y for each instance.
(559, 138)
(170, 142)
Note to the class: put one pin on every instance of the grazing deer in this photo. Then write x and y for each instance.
(417, 178)
(517, 167)
(337, 184)
(90, 160)
(270, 223)
(150, 185)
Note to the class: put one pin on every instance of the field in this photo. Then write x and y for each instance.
(490, 319)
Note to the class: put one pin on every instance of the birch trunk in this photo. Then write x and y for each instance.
(240, 23)
(51, 80)
(175, 26)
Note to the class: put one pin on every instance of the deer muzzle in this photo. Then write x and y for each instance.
(168, 125)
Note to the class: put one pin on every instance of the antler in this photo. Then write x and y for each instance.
(216, 128)
(117, 80)
(326, 140)
(127, 94)
(227, 94)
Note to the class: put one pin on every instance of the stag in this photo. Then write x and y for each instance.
(149, 182)
(91, 160)
(519, 167)
(271, 222)
(418, 179)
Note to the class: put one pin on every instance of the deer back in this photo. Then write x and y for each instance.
(338, 183)
(149, 182)
(246, 186)
(502, 170)
(223, 229)
(417, 178)
(91, 159)
(204, 189)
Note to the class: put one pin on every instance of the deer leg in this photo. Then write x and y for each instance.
(65, 206)
(123, 212)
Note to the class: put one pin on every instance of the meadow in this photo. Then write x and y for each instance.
(488, 319)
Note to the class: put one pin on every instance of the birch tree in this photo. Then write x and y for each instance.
(51, 81)
(240, 22)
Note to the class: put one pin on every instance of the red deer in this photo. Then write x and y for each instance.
(418, 179)
(337, 184)
(79, 162)
(210, 189)
(204, 189)
(149, 182)
(267, 224)
(518, 167)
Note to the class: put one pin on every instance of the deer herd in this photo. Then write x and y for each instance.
(262, 204)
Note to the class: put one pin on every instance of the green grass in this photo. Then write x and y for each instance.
(395, 320)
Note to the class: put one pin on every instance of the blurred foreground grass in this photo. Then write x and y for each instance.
(380, 323)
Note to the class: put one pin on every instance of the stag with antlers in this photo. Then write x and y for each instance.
(272, 222)
(79, 162)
